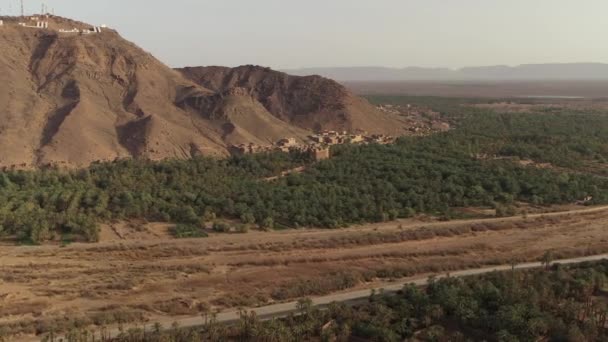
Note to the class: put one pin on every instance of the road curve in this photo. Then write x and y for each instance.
(284, 309)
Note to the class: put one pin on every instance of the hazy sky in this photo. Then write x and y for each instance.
(312, 33)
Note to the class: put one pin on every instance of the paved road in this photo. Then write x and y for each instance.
(284, 309)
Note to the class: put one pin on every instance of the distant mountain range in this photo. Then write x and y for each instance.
(525, 72)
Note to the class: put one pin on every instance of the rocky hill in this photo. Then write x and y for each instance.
(311, 102)
(71, 96)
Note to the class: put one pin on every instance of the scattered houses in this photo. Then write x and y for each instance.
(335, 138)
(318, 147)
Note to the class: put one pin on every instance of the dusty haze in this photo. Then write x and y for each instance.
(395, 33)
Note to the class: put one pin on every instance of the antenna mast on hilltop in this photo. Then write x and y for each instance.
(22, 11)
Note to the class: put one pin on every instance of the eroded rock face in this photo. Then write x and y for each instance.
(72, 99)
(310, 102)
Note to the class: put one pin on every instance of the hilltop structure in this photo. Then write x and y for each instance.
(49, 22)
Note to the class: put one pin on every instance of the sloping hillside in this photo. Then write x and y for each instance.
(72, 99)
(311, 102)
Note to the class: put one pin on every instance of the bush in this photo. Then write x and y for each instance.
(247, 218)
(242, 228)
(183, 231)
(221, 227)
(267, 223)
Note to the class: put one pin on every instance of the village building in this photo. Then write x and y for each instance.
(317, 138)
(335, 138)
(321, 153)
(318, 147)
(332, 140)
(356, 138)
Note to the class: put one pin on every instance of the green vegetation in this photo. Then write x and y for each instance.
(473, 165)
(183, 231)
(563, 137)
(564, 303)
(39, 205)
(221, 227)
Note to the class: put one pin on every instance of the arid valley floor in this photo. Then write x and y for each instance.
(141, 274)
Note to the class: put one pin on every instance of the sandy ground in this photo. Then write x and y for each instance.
(162, 277)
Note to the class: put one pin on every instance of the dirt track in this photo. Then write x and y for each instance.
(165, 279)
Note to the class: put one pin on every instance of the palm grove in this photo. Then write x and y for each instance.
(370, 183)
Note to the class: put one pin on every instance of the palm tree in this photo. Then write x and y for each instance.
(304, 305)
(547, 259)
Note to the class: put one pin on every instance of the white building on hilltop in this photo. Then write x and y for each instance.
(39, 25)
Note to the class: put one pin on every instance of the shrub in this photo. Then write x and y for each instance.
(267, 223)
(221, 227)
(182, 231)
(242, 228)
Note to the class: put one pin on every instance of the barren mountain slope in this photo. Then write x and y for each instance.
(239, 117)
(311, 102)
(70, 98)
(73, 99)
